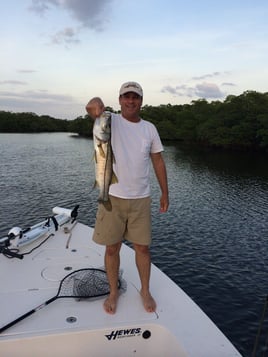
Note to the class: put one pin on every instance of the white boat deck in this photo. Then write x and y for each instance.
(68, 327)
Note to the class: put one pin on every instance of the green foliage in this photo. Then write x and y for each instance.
(82, 126)
(240, 122)
(30, 123)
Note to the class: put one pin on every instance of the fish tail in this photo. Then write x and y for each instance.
(107, 204)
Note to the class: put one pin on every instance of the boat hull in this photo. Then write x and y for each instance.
(72, 328)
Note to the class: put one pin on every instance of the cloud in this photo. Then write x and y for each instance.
(228, 84)
(202, 90)
(175, 91)
(205, 76)
(11, 81)
(41, 6)
(89, 13)
(26, 71)
(41, 102)
(39, 95)
(171, 90)
(208, 90)
(179, 91)
(67, 36)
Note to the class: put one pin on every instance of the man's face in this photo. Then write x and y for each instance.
(130, 106)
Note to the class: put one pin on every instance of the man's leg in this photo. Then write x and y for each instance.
(112, 263)
(143, 262)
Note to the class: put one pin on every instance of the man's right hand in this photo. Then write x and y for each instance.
(95, 107)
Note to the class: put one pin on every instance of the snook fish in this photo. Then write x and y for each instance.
(104, 175)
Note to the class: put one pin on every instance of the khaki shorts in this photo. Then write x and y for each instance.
(129, 219)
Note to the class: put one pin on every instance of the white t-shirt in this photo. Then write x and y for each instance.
(132, 145)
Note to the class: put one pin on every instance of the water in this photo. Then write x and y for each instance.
(212, 242)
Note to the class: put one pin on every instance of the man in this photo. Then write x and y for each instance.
(134, 142)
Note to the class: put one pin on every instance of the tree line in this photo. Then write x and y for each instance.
(30, 123)
(238, 122)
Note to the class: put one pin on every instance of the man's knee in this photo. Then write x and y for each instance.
(113, 249)
(141, 249)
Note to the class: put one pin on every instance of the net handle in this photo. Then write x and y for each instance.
(47, 302)
(29, 313)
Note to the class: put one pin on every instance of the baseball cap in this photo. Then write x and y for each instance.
(131, 87)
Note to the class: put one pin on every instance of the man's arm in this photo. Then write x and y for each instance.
(161, 174)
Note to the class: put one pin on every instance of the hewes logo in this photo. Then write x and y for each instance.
(132, 332)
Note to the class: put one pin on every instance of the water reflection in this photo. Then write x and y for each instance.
(213, 241)
(219, 161)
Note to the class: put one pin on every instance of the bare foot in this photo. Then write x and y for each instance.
(148, 302)
(110, 304)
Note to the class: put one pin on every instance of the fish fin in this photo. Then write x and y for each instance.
(96, 184)
(101, 151)
(113, 157)
(114, 178)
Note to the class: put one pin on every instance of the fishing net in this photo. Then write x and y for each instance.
(81, 284)
(85, 283)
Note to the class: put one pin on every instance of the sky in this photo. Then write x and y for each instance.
(57, 54)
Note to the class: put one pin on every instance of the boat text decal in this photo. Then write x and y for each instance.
(131, 332)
